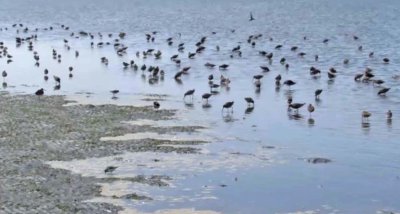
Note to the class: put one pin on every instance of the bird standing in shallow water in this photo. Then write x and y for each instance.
(383, 91)
(365, 115)
(250, 101)
(114, 92)
(289, 83)
(110, 169)
(317, 93)
(205, 96)
(189, 93)
(251, 17)
(310, 109)
(228, 105)
(4, 74)
(57, 79)
(296, 106)
(156, 105)
(389, 114)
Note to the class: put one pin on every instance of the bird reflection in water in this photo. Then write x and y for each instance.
(206, 106)
(311, 122)
(295, 116)
(227, 117)
(189, 104)
(249, 110)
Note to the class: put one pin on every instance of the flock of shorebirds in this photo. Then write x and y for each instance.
(155, 72)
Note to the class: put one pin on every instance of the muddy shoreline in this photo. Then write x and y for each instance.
(34, 131)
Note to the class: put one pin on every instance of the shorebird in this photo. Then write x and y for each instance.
(250, 101)
(251, 17)
(205, 96)
(264, 68)
(314, 71)
(289, 83)
(174, 57)
(289, 100)
(156, 105)
(39, 92)
(310, 109)
(389, 114)
(213, 87)
(383, 91)
(110, 169)
(4, 74)
(258, 77)
(70, 68)
(57, 79)
(225, 81)
(228, 105)
(317, 93)
(378, 82)
(386, 60)
(178, 75)
(365, 115)
(209, 65)
(223, 66)
(358, 77)
(296, 106)
(277, 83)
(331, 75)
(210, 77)
(114, 92)
(189, 93)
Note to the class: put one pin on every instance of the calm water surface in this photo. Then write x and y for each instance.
(265, 149)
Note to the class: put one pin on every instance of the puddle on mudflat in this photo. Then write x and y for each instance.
(156, 136)
(192, 178)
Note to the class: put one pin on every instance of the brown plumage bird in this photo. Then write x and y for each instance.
(365, 115)
(310, 109)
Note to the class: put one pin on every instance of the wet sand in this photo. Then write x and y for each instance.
(35, 131)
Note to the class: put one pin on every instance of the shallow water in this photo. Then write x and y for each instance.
(363, 175)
